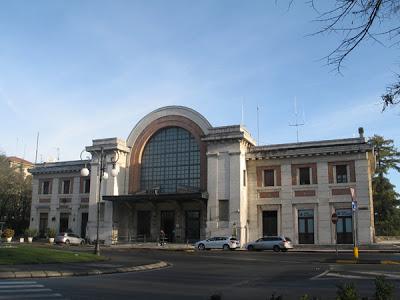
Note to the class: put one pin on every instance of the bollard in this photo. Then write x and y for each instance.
(355, 252)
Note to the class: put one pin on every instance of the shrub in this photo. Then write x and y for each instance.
(30, 232)
(346, 292)
(383, 289)
(51, 233)
(8, 233)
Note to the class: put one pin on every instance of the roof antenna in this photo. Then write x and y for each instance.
(242, 121)
(37, 146)
(297, 124)
(258, 126)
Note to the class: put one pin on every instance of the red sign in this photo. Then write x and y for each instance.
(334, 218)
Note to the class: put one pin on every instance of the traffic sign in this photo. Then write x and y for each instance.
(354, 205)
(334, 218)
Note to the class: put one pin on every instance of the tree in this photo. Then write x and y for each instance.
(386, 200)
(358, 21)
(15, 196)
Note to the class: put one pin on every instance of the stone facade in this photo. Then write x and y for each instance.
(231, 186)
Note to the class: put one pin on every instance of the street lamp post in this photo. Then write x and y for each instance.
(102, 174)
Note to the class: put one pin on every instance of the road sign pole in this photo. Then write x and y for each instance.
(354, 221)
(334, 220)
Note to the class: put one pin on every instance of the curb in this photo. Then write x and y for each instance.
(291, 250)
(363, 261)
(90, 272)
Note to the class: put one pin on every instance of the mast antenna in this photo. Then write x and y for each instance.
(296, 124)
(37, 146)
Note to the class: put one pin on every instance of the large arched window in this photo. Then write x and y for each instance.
(171, 162)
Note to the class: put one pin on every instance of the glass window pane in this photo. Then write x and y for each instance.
(269, 179)
(341, 173)
(302, 226)
(304, 175)
(171, 161)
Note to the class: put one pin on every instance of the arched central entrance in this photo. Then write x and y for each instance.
(167, 178)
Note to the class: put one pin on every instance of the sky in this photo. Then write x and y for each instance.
(80, 70)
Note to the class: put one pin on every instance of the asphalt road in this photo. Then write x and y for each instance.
(233, 275)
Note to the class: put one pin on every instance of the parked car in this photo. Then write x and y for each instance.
(68, 238)
(225, 243)
(276, 243)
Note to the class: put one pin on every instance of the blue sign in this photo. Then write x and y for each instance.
(354, 205)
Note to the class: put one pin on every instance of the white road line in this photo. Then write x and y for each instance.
(390, 275)
(344, 276)
(25, 291)
(30, 296)
(22, 286)
(16, 282)
(320, 275)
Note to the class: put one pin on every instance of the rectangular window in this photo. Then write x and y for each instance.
(224, 210)
(46, 187)
(269, 178)
(341, 174)
(304, 175)
(244, 177)
(66, 186)
(86, 186)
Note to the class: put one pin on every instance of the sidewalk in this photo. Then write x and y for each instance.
(374, 248)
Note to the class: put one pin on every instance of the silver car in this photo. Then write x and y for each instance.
(218, 242)
(68, 238)
(276, 243)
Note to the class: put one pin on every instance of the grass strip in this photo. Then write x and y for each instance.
(40, 255)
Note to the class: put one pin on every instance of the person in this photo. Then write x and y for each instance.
(162, 238)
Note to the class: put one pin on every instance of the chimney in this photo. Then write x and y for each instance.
(361, 132)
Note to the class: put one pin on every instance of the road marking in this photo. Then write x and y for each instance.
(25, 290)
(320, 275)
(21, 286)
(337, 275)
(16, 282)
(30, 296)
(390, 275)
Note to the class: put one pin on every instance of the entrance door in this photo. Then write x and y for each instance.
(143, 224)
(43, 224)
(270, 223)
(192, 231)
(306, 226)
(84, 222)
(344, 226)
(167, 224)
(64, 219)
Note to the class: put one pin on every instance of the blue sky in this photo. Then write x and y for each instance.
(79, 70)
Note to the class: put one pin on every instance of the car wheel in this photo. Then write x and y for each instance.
(201, 247)
(250, 248)
(276, 248)
(67, 242)
(226, 247)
